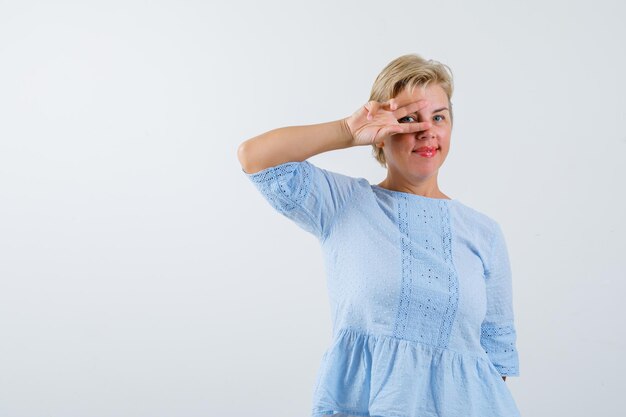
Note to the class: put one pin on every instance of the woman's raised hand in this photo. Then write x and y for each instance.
(371, 124)
(375, 121)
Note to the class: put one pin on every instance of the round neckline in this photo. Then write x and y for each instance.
(411, 195)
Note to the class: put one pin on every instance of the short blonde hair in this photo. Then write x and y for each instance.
(409, 71)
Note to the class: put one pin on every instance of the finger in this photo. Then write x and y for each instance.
(373, 108)
(410, 108)
(390, 130)
(414, 127)
(390, 104)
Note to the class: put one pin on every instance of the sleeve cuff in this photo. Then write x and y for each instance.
(499, 344)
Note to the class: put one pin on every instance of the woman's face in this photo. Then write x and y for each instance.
(402, 150)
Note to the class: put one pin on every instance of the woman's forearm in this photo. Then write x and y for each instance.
(293, 143)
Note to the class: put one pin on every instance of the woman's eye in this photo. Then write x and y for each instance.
(442, 117)
(404, 119)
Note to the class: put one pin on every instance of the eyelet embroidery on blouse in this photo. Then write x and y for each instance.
(499, 341)
(276, 176)
(453, 282)
(407, 269)
(425, 316)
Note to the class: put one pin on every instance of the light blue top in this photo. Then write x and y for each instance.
(420, 296)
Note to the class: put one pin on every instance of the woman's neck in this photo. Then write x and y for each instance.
(428, 188)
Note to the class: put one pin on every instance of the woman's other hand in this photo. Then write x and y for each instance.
(375, 121)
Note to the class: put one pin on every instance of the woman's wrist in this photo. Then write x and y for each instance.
(346, 134)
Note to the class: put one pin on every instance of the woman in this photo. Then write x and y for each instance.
(419, 283)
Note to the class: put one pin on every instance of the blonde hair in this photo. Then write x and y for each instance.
(410, 71)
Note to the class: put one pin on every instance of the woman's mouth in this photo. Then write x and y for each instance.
(426, 151)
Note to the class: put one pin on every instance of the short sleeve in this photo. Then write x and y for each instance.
(310, 196)
(498, 335)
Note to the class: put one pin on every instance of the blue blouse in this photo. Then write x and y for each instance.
(420, 292)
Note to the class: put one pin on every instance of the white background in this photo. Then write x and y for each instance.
(142, 274)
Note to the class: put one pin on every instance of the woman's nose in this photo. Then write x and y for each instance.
(426, 134)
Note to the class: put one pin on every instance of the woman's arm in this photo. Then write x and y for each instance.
(293, 143)
(370, 124)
